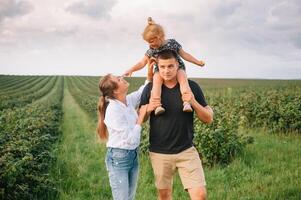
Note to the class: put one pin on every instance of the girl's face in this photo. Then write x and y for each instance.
(155, 42)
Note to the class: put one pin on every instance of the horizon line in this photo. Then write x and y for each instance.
(235, 78)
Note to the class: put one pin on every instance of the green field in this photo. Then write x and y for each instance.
(49, 148)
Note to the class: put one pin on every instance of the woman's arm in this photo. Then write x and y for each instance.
(119, 127)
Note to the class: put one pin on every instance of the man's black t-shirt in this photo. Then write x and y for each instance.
(172, 131)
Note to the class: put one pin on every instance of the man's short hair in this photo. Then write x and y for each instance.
(166, 54)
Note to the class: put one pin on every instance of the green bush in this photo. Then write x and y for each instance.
(238, 108)
(276, 110)
(26, 139)
(219, 142)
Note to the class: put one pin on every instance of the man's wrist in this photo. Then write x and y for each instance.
(193, 102)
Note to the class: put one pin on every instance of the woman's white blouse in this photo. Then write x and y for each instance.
(121, 119)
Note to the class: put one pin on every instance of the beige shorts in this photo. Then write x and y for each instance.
(188, 164)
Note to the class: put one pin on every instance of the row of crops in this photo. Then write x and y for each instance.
(272, 105)
(85, 92)
(30, 117)
(31, 112)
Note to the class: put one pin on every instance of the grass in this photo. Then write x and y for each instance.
(268, 169)
(80, 170)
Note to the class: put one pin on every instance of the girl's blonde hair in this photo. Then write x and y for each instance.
(152, 30)
(106, 87)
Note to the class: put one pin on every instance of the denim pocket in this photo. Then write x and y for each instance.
(119, 153)
(121, 158)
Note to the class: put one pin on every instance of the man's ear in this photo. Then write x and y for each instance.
(177, 63)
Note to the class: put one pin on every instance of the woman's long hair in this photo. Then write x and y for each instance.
(106, 87)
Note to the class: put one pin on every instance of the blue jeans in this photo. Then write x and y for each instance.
(122, 166)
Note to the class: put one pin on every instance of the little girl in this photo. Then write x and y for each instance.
(154, 35)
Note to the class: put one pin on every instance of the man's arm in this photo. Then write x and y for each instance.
(146, 99)
(153, 104)
(205, 114)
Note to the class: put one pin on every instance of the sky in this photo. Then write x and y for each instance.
(235, 38)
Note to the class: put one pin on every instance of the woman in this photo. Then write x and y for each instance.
(120, 125)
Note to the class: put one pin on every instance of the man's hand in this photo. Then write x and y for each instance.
(153, 104)
(205, 114)
(188, 97)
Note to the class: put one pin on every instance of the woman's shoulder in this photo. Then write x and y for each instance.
(114, 112)
(113, 106)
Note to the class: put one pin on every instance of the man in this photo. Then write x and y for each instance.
(171, 134)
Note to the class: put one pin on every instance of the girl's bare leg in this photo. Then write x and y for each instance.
(184, 87)
(156, 92)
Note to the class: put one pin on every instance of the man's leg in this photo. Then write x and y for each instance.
(191, 173)
(198, 193)
(165, 194)
(164, 168)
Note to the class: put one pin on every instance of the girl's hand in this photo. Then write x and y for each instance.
(128, 73)
(201, 63)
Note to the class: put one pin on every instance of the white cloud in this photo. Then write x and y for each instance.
(92, 8)
(12, 8)
(235, 38)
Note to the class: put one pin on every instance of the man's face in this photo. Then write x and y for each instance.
(168, 68)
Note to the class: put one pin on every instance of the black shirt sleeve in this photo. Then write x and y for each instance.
(198, 93)
(145, 94)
